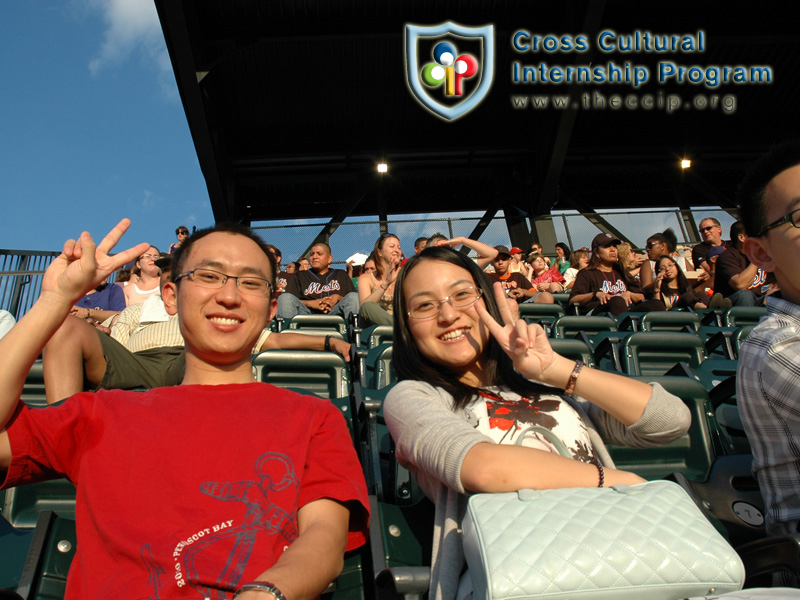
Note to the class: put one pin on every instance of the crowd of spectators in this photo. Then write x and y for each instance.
(129, 334)
(612, 276)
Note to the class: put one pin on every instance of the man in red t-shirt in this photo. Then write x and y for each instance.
(217, 486)
(516, 285)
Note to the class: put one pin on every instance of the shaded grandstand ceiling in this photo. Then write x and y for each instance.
(291, 103)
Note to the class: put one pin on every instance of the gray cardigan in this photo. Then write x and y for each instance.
(434, 440)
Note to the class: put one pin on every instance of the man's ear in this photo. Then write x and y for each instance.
(169, 295)
(272, 309)
(758, 251)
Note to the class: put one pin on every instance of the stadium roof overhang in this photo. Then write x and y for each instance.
(292, 104)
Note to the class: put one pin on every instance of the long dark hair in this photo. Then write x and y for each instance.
(683, 283)
(375, 255)
(409, 363)
(617, 267)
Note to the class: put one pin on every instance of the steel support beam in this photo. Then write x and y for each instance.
(365, 185)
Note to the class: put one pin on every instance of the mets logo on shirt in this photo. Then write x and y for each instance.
(445, 80)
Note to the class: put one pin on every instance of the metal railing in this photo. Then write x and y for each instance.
(21, 278)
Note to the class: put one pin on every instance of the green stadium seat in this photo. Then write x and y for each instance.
(375, 335)
(325, 374)
(316, 331)
(52, 548)
(14, 546)
(573, 350)
(739, 316)
(401, 538)
(544, 314)
(22, 504)
(724, 342)
(710, 316)
(692, 454)
(729, 495)
(334, 322)
(669, 320)
(570, 325)
(379, 370)
(656, 352)
(607, 349)
(561, 298)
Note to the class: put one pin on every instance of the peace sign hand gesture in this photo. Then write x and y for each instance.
(82, 266)
(526, 344)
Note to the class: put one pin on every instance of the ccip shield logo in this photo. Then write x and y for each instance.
(445, 73)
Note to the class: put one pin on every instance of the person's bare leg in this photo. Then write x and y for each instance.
(544, 298)
(73, 352)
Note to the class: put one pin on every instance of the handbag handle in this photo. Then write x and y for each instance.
(549, 436)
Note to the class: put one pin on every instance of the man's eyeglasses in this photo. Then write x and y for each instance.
(709, 228)
(790, 218)
(153, 256)
(460, 299)
(183, 232)
(208, 278)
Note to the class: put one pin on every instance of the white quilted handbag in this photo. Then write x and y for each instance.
(647, 541)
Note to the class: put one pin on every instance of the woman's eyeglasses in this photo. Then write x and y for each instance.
(460, 299)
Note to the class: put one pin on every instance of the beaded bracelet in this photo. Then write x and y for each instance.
(600, 473)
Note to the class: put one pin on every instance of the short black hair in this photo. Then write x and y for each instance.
(435, 238)
(180, 255)
(737, 228)
(320, 243)
(752, 190)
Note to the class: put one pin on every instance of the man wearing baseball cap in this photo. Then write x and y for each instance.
(516, 285)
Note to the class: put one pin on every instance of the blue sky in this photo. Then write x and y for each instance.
(91, 126)
(92, 130)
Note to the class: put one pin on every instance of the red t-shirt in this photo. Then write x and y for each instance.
(184, 491)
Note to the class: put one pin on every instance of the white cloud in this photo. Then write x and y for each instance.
(132, 28)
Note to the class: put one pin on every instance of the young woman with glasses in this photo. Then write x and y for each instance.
(471, 414)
